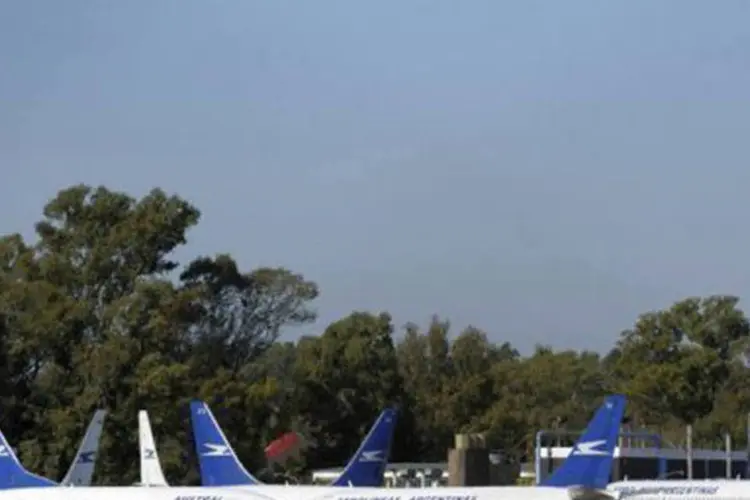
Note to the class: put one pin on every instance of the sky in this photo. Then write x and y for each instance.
(544, 171)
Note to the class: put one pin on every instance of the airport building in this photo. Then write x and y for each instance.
(414, 474)
(652, 463)
(629, 463)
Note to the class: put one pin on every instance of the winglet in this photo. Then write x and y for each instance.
(13, 474)
(151, 472)
(590, 462)
(368, 464)
(82, 469)
(218, 463)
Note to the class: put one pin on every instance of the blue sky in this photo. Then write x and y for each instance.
(545, 171)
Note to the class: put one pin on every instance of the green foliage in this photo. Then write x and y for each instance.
(525, 481)
(97, 313)
(345, 378)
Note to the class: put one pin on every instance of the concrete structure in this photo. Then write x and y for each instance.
(469, 461)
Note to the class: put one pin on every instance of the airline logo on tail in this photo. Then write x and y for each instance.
(216, 450)
(87, 457)
(590, 461)
(372, 456)
(589, 448)
(4, 451)
(149, 454)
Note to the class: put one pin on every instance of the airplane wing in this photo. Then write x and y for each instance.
(151, 473)
(82, 469)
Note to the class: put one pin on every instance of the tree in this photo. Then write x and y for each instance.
(730, 410)
(674, 362)
(449, 383)
(347, 376)
(548, 390)
(242, 314)
(97, 313)
(92, 318)
(423, 361)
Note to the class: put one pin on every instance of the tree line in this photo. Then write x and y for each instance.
(96, 313)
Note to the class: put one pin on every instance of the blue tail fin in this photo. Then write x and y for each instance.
(12, 473)
(367, 466)
(218, 463)
(590, 462)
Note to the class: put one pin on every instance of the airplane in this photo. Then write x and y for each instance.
(220, 466)
(13, 475)
(151, 472)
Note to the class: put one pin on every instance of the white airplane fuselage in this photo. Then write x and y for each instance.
(628, 490)
(293, 492)
(129, 493)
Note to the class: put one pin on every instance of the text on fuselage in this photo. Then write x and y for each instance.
(667, 490)
(198, 497)
(412, 497)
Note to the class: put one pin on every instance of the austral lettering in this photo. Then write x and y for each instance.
(667, 490)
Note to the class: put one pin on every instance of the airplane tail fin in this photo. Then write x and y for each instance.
(368, 464)
(151, 472)
(82, 469)
(13, 474)
(218, 463)
(590, 462)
